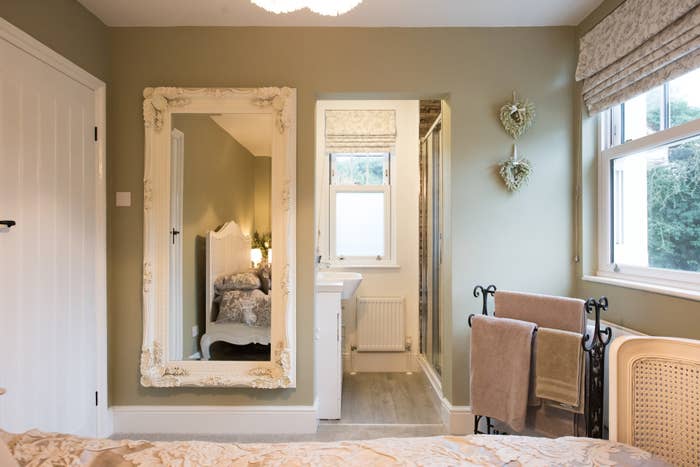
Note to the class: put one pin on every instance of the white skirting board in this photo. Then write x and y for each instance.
(379, 362)
(215, 419)
(458, 419)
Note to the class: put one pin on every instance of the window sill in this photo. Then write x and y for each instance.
(630, 283)
(339, 267)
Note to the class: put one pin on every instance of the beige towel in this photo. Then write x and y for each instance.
(500, 368)
(559, 365)
(545, 311)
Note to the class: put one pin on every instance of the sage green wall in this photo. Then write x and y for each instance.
(648, 312)
(218, 186)
(65, 26)
(518, 241)
(263, 187)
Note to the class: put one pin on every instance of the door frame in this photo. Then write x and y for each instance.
(26, 43)
(177, 167)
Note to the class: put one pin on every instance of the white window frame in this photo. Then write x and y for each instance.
(667, 281)
(389, 190)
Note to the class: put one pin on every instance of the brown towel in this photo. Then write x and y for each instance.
(500, 368)
(559, 366)
(545, 311)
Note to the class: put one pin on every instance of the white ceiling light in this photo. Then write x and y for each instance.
(322, 7)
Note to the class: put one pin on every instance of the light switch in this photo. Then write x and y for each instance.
(123, 199)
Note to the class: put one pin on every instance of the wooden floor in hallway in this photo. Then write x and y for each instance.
(389, 398)
(375, 405)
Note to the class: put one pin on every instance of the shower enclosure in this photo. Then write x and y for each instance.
(430, 237)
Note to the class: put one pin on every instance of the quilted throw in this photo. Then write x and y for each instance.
(37, 449)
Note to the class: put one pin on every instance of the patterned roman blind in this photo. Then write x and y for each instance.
(360, 131)
(640, 45)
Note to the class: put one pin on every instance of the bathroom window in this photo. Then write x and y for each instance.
(650, 187)
(360, 209)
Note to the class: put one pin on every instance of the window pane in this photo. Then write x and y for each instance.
(359, 169)
(375, 171)
(359, 224)
(342, 170)
(656, 207)
(684, 97)
(643, 115)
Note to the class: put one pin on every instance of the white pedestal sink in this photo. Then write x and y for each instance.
(350, 280)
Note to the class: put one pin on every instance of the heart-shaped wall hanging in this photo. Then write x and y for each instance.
(517, 116)
(515, 171)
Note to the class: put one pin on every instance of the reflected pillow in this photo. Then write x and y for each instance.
(237, 281)
(264, 274)
(251, 307)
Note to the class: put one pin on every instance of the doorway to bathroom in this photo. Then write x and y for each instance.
(431, 228)
(379, 204)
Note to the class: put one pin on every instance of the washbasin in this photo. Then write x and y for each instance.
(351, 281)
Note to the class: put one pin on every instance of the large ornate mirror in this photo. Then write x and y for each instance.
(219, 191)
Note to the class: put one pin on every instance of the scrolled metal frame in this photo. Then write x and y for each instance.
(593, 344)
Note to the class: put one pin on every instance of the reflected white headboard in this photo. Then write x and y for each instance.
(228, 252)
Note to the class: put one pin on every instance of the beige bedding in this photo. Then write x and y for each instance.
(37, 449)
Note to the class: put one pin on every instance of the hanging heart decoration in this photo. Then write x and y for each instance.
(517, 116)
(515, 171)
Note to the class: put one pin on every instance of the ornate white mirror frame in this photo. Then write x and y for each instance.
(158, 106)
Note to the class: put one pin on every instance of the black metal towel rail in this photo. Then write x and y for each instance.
(594, 345)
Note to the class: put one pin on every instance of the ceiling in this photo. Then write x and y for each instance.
(370, 13)
(253, 132)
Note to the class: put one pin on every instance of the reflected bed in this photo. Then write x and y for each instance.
(228, 253)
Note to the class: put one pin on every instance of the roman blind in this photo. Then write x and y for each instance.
(360, 131)
(640, 45)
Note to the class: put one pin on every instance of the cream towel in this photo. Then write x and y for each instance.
(545, 311)
(559, 367)
(500, 368)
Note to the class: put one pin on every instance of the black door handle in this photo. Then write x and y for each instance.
(8, 224)
(174, 232)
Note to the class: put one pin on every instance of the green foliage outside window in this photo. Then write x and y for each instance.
(673, 199)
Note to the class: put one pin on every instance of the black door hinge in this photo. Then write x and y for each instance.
(95, 133)
(96, 400)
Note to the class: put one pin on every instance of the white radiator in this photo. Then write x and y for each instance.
(381, 324)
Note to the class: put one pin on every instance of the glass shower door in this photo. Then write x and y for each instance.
(431, 247)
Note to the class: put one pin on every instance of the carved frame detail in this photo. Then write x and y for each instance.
(158, 106)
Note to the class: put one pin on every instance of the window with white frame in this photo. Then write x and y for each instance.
(649, 186)
(360, 208)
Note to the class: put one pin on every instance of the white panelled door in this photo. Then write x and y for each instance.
(49, 260)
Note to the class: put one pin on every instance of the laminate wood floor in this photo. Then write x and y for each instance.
(388, 398)
(375, 405)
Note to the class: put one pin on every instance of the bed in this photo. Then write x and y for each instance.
(36, 448)
(227, 252)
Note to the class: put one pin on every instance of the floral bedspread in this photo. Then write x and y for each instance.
(38, 449)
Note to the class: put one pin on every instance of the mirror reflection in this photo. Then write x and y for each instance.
(221, 237)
